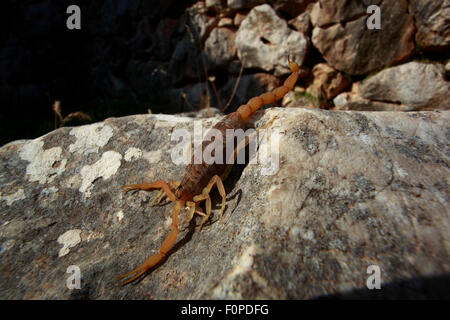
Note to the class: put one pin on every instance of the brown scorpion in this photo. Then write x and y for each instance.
(199, 179)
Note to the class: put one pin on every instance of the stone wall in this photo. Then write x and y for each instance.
(170, 56)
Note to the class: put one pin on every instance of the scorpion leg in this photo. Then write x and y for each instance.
(158, 198)
(208, 211)
(205, 196)
(165, 247)
(193, 208)
(159, 184)
(161, 194)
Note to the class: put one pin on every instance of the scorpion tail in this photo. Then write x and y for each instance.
(139, 271)
(246, 110)
(162, 252)
(159, 184)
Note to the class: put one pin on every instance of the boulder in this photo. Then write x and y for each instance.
(350, 190)
(416, 84)
(264, 41)
(432, 22)
(342, 37)
(225, 22)
(327, 82)
(410, 86)
(353, 101)
(238, 18)
(327, 13)
(220, 48)
(301, 23)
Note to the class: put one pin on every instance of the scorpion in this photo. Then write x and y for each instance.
(199, 179)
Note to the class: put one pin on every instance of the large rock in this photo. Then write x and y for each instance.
(328, 82)
(301, 23)
(220, 48)
(326, 13)
(264, 41)
(352, 189)
(418, 85)
(354, 101)
(342, 37)
(432, 22)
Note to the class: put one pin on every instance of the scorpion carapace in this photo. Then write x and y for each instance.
(199, 179)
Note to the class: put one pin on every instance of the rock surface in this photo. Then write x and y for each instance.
(264, 41)
(220, 47)
(353, 189)
(301, 23)
(353, 101)
(407, 87)
(328, 82)
(342, 37)
(326, 13)
(432, 23)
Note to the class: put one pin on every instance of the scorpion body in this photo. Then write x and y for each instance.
(200, 178)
